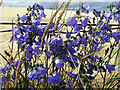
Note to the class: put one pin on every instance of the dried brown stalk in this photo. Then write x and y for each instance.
(17, 73)
(91, 53)
(60, 29)
(49, 24)
(59, 18)
(1, 2)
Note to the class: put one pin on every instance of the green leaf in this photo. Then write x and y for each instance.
(110, 79)
(116, 57)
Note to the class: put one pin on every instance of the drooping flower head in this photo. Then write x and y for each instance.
(86, 8)
(57, 41)
(83, 41)
(84, 21)
(96, 13)
(16, 63)
(42, 14)
(77, 28)
(4, 69)
(118, 4)
(72, 21)
(117, 17)
(105, 27)
(42, 70)
(116, 36)
(59, 63)
(110, 68)
(108, 16)
(23, 18)
(36, 49)
(54, 78)
(48, 54)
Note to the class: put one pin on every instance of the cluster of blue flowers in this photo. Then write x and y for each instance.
(71, 51)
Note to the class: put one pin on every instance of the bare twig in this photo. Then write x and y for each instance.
(49, 24)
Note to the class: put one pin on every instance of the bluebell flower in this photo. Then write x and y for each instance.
(26, 28)
(69, 73)
(16, 31)
(108, 16)
(36, 22)
(106, 27)
(54, 78)
(116, 36)
(118, 4)
(84, 21)
(69, 82)
(56, 40)
(48, 54)
(97, 57)
(99, 24)
(39, 81)
(21, 40)
(77, 28)
(105, 38)
(96, 13)
(29, 56)
(92, 58)
(59, 63)
(98, 33)
(36, 49)
(50, 79)
(70, 48)
(68, 85)
(42, 70)
(96, 68)
(66, 58)
(34, 6)
(72, 21)
(68, 35)
(32, 13)
(86, 8)
(23, 18)
(117, 17)
(3, 78)
(42, 14)
(59, 25)
(90, 31)
(74, 42)
(30, 75)
(7, 68)
(89, 71)
(41, 7)
(74, 76)
(110, 68)
(29, 48)
(16, 63)
(34, 74)
(83, 41)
